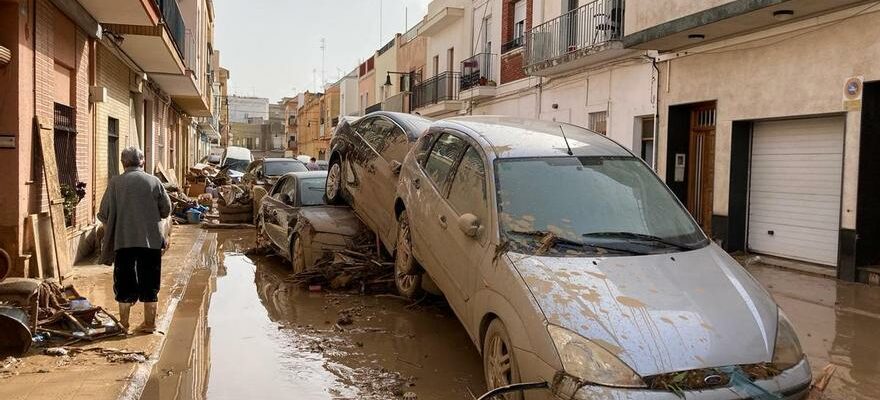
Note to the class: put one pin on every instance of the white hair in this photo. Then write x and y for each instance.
(132, 157)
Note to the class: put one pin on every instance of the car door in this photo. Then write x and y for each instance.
(430, 220)
(275, 208)
(466, 212)
(358, 158)
(391, 144)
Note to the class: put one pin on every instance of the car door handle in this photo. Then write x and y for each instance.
(443, 223)
(417, 183)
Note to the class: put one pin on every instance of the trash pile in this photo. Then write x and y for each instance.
(196, 203)
(236, 204)
(34, 312)
(359, 267)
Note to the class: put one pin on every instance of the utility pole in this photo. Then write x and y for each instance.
(323, 56)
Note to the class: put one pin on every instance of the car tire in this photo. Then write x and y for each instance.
(297, 254)
(335, 186)
(407, 272)
(499, 362)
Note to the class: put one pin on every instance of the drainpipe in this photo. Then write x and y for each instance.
(656, 149)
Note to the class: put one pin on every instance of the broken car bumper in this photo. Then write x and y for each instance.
(792, 384)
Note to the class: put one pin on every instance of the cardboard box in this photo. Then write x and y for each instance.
(195, 189)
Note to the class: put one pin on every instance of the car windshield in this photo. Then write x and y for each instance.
(605, 205)
(236, 164)
(276, 168)
(312, 191)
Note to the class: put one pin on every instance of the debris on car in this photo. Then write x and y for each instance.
(235, 204)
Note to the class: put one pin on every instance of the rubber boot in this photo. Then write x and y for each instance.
(124, 315)
(149, 325)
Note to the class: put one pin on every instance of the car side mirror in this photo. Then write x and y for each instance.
(395, 167)
(470, 225)
(285, 198)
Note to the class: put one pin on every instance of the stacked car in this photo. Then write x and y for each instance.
(566, 259)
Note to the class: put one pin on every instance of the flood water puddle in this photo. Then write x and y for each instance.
(270, 339)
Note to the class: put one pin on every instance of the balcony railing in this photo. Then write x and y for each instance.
(513, 44)
(588, 26)
(443, 87)
(174, 23)
(476, 71)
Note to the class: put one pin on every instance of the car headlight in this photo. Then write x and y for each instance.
(591, 363)
(787, 351)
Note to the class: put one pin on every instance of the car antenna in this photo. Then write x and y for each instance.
(566, 140)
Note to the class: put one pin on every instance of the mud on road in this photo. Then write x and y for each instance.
(271, 339)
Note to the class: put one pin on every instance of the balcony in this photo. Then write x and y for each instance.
(588, 35)
(477, 78)
(437, 95)
(512, 45)
(123, 12)
(155, 48)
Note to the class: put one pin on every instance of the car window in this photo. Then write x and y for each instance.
(467, 193)
(423, 146)
(275, 168)
(312, 191)
(396, 145)
(379, 134)
(442, 157)
(364, 127)
(290, 188)
(278, 187)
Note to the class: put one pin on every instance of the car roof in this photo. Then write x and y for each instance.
(415, 125)
(514, 137)
(279, 159)
(307, 174)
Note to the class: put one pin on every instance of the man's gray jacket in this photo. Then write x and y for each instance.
(132, 211)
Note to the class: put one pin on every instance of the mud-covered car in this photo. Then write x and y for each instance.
(265, 172)
(569, 262)
(365, 159)
(295, 220)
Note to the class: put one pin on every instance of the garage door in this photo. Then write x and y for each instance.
(795, 184)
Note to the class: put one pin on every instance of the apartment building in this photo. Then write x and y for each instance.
(310, 124)
(768, 122)
(289, 109)
(98, 75)
(349, 103)
(367, 87)
(437, 94)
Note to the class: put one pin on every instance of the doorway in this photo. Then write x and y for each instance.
(691, 158)
(867, 235)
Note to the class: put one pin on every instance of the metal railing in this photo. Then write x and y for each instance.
(513, 44)
(442, 87)
(477, 71)
(585, 27)
(174, 23)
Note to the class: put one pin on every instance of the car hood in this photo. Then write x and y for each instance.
(658, 313)
(332, 219)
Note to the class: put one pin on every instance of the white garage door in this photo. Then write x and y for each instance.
(795, 183)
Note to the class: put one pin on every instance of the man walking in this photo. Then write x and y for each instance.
(132, 211)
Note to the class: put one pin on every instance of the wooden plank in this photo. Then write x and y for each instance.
(63, 266)
(36, 271)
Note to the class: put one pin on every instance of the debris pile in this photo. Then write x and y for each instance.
(359, 266)
(39, 312)
(194, 205)
(236, 204)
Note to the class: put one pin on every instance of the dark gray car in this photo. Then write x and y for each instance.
(365, 160)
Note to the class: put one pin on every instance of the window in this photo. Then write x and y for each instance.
(647, 143)
(312, 191)
(112, 146)
(468, 190)
(598, 122)
(396, 145)
(423, 146)
(519, 19)
(442, 157)
(278, 186)
(436, 65)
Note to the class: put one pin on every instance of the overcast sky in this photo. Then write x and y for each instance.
(271, 47)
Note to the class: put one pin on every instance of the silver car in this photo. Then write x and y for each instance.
(569, 262)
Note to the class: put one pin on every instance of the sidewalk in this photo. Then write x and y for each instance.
(92, 376)
(837, 322)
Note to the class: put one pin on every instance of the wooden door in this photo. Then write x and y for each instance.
(701, 167)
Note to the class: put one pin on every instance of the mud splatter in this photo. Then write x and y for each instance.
(630, 302)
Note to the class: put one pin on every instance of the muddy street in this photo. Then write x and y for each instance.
(270, 339)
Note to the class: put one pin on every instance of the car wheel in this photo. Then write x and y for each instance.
(297, 255)
(335, 183)
(499, 363)
(407, 273)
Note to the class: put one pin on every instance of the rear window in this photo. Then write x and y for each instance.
(312, 191)
(276, 168)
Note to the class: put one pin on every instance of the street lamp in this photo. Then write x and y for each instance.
(388, 77)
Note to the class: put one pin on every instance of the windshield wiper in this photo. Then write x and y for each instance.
(556, 240)
(640, 236)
